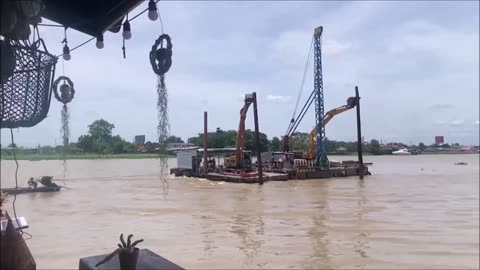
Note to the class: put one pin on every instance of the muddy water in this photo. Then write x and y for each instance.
(413, 212)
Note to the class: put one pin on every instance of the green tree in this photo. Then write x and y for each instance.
(375, 147)
(274, 144)
(421, 146)
(86, 143)
(101, 130)
(117, 144)
(173, 139)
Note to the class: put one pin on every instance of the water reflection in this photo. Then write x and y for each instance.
(320, 258)
(360, 246)
(400, 217)
(248, 225)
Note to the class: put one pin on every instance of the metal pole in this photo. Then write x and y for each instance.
(359, 135)
(205, 143)
(257, 139)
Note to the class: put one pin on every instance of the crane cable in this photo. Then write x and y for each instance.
(305, 71)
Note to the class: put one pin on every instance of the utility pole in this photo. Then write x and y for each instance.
(205, 143)
(257, 139)
(359, 136)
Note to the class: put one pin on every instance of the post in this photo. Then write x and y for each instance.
(257, 139)
(205, 143)
(359, 136)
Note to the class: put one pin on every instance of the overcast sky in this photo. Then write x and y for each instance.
(416, 65)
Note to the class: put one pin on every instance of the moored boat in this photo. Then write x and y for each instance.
(20, 190)
(401, 152)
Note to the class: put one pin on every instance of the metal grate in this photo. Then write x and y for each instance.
(25, 96)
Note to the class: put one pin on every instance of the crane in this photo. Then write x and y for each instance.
(238, 161)
(317, 144)
(315, 96)
(321, 158)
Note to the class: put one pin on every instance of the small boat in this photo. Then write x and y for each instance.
(20, 190)
(47, 185)
(401, 152)
(461, 163)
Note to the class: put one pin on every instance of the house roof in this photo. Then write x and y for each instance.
(92, 17)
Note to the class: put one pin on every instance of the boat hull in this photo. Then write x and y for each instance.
(13, 191)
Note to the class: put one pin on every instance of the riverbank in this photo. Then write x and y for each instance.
(21, 156)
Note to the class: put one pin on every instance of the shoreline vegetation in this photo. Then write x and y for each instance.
(90, 156)
(94, 156)
(100, 143)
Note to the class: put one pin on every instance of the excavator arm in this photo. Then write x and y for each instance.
(311, 151)
(237, 160)
(240, 144)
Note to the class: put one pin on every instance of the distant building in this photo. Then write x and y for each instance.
(439, 140)
(139, 140)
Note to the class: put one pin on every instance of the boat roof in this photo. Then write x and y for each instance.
(92, 17)
(222, 150)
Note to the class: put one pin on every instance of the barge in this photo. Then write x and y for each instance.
(277, 166)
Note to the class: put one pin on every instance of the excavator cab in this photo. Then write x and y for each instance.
(352, 102)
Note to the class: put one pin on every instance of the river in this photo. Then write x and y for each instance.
(414, 212)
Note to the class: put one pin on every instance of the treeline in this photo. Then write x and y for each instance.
(100, 140)
(299, 141)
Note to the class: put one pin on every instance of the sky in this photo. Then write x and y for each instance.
(416, 65)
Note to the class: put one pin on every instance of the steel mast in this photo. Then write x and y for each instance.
(321, 159)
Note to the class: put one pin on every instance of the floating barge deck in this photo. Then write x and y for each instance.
(267, 176)
(344, 170)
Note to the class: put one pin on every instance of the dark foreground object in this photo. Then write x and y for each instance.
(14, 252)
(13, 191)
(146, 260)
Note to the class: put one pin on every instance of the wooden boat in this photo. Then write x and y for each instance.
(20, 190)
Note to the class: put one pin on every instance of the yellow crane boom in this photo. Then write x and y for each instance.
(312, 138)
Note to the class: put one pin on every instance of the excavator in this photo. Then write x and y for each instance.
(311, 151)
(241, 160)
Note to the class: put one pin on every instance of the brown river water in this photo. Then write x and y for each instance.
(413, 212)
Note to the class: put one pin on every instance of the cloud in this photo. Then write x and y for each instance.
(441, 106)
(334, 47)
(457, 122)
(280, 99)
(384, 47)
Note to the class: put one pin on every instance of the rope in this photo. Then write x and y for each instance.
(305, 71)
(16, 183)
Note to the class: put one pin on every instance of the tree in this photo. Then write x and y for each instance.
(173, 139)
(375, 147)
(85, 142)
(101, 130)
(274, 144)
(421, 146)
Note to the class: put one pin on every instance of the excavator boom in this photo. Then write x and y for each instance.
(237, 160)
(240, 144)
(311, 151)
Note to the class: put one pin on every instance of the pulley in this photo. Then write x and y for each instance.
(161, 58)
(67, 92)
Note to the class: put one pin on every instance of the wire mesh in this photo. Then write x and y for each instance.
(25, 96)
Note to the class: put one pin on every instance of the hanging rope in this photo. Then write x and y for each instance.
(300, 91)
(66, 95)
(16, 182)
(161, 61)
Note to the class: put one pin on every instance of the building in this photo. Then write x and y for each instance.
(139, 140)
(439, 140)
